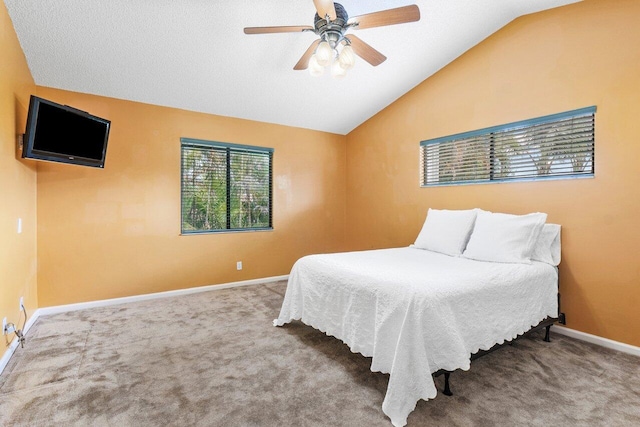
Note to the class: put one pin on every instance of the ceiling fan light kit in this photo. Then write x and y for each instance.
(334, 49)
(328, 56)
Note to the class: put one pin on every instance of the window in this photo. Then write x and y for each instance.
(550, 147)
(225, 187)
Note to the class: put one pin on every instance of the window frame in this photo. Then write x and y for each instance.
(228, 148)
(490, 132)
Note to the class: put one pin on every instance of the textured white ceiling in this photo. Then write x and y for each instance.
(193, 54)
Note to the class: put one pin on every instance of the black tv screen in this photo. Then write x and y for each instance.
(60, 133)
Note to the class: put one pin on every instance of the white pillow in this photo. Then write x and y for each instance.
(547, 248)
(501, 237)
(446, 231)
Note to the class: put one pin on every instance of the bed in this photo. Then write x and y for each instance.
(417, 311)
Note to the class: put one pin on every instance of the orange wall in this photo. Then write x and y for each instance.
(116, 232)
(566, 58)
(17, 183)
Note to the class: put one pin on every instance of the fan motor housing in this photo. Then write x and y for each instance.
(332, 31)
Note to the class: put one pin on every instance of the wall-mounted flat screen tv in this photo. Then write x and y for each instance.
(60, 133)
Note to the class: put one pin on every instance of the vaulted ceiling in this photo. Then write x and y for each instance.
(193, 54)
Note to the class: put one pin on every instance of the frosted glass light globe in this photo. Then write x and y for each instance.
(337, 71)
(347, 58)
(314, 68)
(324, 54)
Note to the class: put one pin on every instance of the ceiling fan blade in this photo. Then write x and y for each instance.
(268, 30)
(304, 61)
(398, 15)
(324, 8)
(366, 52)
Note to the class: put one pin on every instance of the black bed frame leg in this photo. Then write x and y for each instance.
(546, 334)
(447, 390)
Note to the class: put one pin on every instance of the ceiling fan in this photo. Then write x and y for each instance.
(331, 22)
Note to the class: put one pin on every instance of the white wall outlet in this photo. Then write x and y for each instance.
(239, 265)
(4, 326)
(19, 225)
(21, 303)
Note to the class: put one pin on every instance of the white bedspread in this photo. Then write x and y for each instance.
(416, 312)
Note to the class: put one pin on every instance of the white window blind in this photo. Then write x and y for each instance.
(550, 147)
(225, 187)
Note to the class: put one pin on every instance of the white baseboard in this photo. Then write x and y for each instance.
(594, 339)
(44, 311)
(137, 298)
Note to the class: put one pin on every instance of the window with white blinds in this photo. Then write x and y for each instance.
(225, 187)
(551, 147)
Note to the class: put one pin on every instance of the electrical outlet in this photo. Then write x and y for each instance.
(7, 328)
(10, 328)
(239, 265)
(21, 303)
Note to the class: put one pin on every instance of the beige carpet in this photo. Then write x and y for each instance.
(214, 359)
